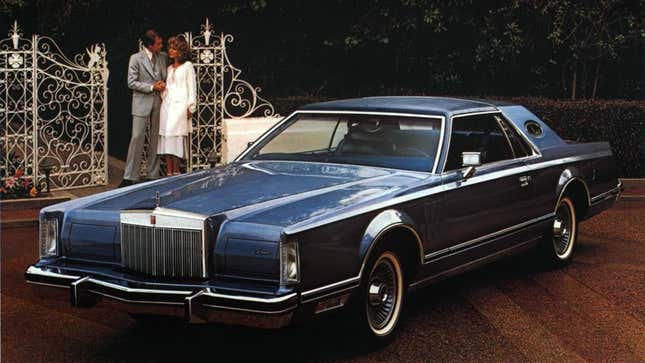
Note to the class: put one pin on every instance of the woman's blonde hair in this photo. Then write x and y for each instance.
(181, 46)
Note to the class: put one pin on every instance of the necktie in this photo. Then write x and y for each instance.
(153, 59)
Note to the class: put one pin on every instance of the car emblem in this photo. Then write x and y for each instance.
(153, 219)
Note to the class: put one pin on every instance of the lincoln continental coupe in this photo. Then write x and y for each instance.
(344, 205)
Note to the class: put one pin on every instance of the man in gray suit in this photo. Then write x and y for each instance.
(146, 75)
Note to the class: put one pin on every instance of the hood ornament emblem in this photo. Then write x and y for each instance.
(153, 218)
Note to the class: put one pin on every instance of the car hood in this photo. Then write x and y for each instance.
(271, 192)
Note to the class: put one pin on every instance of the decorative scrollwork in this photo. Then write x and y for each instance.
(221, 93)
(56, 111)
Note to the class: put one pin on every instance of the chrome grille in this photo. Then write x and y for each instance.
(162, 251)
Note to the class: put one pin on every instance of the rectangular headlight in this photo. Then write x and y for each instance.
(48, 237)
(289, 263)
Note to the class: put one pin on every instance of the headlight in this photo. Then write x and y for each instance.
(289, 263)
(48, 237)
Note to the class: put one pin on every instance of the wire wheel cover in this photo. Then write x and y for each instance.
(563, 229)
(383, 293)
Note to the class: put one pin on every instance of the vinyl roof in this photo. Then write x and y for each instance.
(436, 106)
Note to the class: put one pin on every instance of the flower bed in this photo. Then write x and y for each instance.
(18, 186)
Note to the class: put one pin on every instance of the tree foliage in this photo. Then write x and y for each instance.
(555, 48)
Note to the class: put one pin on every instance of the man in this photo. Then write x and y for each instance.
(146, 75)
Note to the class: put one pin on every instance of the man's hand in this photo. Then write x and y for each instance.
(159, 86)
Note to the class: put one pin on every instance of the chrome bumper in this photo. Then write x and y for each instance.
(204, 305)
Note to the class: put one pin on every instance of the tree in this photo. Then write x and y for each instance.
(590, 33)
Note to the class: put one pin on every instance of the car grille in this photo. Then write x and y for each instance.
(163, 252)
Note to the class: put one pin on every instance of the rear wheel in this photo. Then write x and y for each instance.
(559, 243)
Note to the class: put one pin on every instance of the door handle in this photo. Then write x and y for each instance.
(525, 180)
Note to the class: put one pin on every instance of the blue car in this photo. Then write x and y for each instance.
(343, 205)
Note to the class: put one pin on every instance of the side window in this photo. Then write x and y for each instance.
(519, 145)
(480, 133)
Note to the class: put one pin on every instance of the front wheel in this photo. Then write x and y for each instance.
(381, 298)
(559, 243)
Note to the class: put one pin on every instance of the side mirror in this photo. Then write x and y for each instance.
(470, 160)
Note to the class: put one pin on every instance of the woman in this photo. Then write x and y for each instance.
(178, 106)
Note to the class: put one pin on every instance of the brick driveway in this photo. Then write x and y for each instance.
(510, 311)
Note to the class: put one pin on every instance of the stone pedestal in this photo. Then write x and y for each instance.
(239, 132)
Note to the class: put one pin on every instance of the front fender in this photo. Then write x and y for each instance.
(381, 224)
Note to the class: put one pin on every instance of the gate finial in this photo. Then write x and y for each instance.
(206, 30)
(14, 34)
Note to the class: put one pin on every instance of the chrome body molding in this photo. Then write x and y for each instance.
(472, 264)
(613, 192)
(383, 231)
(326, 288)
(272, 300)
(463, 245)
(564, 189)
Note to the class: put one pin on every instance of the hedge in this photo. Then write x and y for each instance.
(620, 122)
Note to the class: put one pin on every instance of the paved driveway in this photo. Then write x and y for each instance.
(510, 311)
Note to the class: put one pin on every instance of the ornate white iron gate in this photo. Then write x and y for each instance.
(53, 110)
(220, 94)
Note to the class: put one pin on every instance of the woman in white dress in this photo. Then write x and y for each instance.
(178, 105)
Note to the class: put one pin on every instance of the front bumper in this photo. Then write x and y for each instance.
(195, 306)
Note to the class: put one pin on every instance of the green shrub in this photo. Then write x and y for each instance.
(621, 123)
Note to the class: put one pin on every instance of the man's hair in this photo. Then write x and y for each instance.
(149, 37)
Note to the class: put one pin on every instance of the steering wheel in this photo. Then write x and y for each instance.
(411, 151)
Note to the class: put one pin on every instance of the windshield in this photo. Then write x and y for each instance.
(398, 142)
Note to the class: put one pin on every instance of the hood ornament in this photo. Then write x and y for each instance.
(157, 199)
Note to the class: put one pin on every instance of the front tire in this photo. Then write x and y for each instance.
(381, 298)
(559, 243)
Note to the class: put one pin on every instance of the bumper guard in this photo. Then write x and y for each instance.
(202, 305)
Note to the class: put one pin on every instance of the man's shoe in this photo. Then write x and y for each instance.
(125, 183)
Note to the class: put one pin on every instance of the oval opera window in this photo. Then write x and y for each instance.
(533, 128)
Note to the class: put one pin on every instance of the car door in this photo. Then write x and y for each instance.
(475, 213)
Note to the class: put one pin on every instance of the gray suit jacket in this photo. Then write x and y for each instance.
(141, 77)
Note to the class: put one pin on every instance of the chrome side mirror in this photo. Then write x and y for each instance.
(470, 160)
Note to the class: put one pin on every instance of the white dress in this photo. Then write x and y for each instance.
(178, 98)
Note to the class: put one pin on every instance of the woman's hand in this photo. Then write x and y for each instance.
(189, 114)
